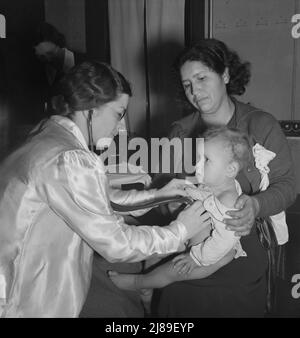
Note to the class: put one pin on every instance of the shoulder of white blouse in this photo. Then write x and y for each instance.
(83, 158)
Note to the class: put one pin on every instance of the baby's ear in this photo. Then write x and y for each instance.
(232, 169)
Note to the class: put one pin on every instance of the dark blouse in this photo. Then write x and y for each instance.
(264, 129)
(239, 288)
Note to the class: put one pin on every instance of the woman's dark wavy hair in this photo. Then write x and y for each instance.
(217, 57)
(87, 86)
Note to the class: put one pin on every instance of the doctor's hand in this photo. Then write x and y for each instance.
(194, 218)
(173, 188)
(243, 219)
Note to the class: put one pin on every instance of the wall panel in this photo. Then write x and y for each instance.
(260, 31)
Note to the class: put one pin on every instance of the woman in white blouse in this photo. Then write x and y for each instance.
(54, 203)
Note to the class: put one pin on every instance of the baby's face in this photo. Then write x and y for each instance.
(216, 159)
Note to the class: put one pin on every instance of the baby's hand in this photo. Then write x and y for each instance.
(184, 263)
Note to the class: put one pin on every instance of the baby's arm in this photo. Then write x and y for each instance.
(221, 240)
(200, 237)
(214, 247)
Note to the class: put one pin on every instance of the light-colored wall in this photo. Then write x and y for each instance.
(260, 31)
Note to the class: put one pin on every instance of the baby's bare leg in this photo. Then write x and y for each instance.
(157, 278)
(153, 261)
(166, 274)
(205, 271)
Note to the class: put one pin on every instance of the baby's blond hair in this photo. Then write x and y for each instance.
(236, 141)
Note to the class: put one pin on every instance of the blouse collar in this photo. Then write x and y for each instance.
(233, 121)
(72, 127)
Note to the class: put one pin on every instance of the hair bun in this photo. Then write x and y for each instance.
(60, 105)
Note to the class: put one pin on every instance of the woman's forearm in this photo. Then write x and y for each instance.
(129, 197)
(281, 192)
(278, 197)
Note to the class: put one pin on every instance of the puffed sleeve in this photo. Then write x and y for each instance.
(129, 197)
(75, 187)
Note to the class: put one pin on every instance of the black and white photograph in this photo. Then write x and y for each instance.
(149, 161)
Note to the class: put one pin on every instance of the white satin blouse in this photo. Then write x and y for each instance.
(54, 211)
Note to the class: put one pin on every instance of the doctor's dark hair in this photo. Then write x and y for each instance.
(217, 57)
(87, 86)
(235, 141)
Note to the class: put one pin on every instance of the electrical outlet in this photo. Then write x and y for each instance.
(290, 127)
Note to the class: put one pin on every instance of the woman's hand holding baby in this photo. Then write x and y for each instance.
(243, 219)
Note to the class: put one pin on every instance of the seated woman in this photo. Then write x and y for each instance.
(211, 74)
(226, 153)
(54, 204)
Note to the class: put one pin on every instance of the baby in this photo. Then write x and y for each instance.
(226, 152)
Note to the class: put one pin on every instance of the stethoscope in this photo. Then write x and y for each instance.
(90, 130)
(90, 134)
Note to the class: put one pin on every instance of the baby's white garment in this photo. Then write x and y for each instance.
(221, 240)
(262, 158)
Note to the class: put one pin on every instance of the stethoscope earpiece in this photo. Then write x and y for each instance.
(90, 129)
